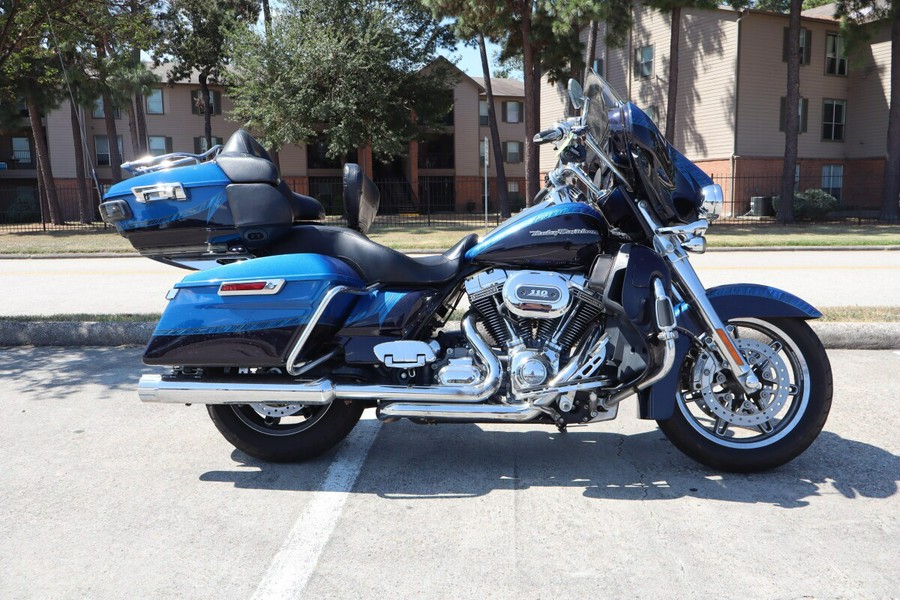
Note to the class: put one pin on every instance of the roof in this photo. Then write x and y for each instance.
(826, 11)
(503, 87)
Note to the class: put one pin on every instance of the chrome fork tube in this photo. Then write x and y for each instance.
(695, 294)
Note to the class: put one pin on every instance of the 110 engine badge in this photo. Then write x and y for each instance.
(544, 294)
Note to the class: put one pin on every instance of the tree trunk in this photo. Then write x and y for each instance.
(112, 138)
(85, 209)
(891, 195)
(204, 102)
(132, 129)
(591, 47)
(141, 115)
(791, 116)
(502, 191)
(672, 101)
(45, 171)
(531, 108)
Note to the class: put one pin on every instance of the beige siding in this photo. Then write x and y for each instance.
(869, 99)
(764, 81)
(553, 104)
(705, 86)
(61, 144)
(465, 110)
(509, 132)
(707, 55)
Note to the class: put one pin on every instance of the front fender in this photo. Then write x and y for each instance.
(731, 301)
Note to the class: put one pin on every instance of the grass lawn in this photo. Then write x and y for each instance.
(439, 237)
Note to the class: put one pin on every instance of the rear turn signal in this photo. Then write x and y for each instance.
(251, 288)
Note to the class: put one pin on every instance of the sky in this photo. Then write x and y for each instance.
(468, 59)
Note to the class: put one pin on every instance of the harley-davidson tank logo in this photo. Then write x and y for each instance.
(533, 292)
(558, 232)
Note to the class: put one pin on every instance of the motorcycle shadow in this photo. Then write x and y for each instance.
(409, 462)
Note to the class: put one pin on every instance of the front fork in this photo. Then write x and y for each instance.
(667, 242)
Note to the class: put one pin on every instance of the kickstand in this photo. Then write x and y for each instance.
(561, 426)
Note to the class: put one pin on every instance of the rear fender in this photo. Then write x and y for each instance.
(730, 302)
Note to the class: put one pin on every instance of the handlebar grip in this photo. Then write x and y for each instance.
(549, 135)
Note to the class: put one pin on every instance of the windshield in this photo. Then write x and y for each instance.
(599, 98)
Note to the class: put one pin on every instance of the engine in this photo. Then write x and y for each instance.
(537, 317)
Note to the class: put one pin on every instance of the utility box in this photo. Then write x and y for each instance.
(761, 206)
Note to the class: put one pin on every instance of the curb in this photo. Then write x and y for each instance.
(834, 336)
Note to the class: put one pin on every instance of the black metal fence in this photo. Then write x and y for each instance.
(449, 200)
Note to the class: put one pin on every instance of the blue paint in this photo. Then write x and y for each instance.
(528, 219)
(198, 309)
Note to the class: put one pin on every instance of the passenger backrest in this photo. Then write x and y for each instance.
(361, 199)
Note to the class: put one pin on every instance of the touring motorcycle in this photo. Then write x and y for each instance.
(289, 328)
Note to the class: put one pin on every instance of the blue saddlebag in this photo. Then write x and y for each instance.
(250, 313)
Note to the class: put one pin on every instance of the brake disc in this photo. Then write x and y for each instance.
(719, 400)
(276, 411)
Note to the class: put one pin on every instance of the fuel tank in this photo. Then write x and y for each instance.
(561, 236)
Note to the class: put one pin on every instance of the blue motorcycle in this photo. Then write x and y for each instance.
(289, 328)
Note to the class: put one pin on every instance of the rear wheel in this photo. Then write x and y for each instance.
(718, 424)
(285, 432)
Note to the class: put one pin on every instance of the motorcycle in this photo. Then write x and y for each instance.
(290, 328)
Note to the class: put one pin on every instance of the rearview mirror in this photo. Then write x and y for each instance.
(576, 94)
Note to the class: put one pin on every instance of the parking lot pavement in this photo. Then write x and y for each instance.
(105, 497)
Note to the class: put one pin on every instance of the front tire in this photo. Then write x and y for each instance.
(717, 424)
(285, 433)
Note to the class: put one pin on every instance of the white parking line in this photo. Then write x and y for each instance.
(295, 562)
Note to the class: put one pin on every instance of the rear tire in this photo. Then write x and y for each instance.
(718, 425)
(280, 433)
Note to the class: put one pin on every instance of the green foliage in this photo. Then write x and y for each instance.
(193, 35)
(352, 70)
(811, 205)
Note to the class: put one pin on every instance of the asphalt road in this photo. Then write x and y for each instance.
(139, 285)
(105, 497)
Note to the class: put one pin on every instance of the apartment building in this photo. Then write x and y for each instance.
(442, 173)
(731, 88)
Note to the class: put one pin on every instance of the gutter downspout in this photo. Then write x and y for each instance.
(737, 95)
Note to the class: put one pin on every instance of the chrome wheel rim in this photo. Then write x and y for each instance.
(724, 414)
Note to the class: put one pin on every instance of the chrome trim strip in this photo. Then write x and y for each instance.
(313, 321)
(482, 413)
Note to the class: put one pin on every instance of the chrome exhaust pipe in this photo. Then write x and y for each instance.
(154, 388)
(465, 413)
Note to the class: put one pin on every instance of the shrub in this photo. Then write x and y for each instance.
(811, 205)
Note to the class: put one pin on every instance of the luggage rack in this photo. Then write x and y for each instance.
(149, 164)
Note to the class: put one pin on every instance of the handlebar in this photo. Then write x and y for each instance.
(549, 135)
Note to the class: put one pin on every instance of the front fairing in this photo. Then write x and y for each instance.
(669, 181)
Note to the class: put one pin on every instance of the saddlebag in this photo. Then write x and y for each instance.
(251, 313)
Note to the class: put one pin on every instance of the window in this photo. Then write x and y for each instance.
(23, 109)
(512, 112)
(512, 152)
(98, 113)
(797, 177)
(835, 55)
(481, 153)
(805, 45)
(200, 143)
(512, 187)
(833, 116)
(802, 112)
(833, 179)
(214, 99)
(598, 67)
(483, 113)
(160, 144)
(21, 150)
(155, 102)
(643, 62)
(101, 150)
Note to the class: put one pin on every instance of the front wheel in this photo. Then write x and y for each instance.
(719, 425)
(285, 432)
